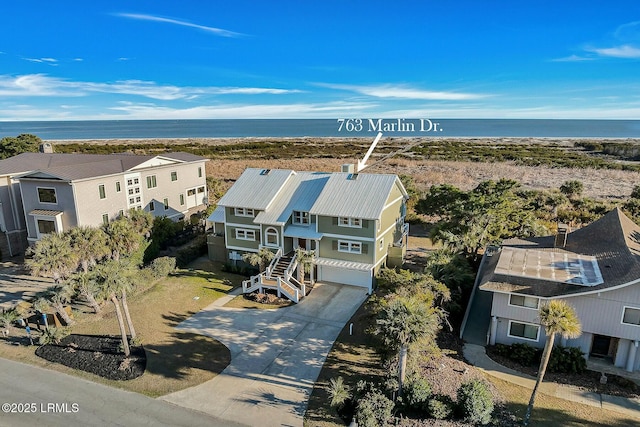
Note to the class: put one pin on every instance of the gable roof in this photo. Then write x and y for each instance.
(613, 240)
(81, 166)
(281, 191)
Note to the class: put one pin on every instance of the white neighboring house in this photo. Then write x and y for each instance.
(53, 192)
(595, 269)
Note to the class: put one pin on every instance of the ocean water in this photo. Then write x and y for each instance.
(141, 129)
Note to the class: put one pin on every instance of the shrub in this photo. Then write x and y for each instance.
(193, 252)
(374, 410)
(417, 392)
(53, 335)
(475, 402)
(567, 360)
(440, 407)
(524, 354)
(338, 391)
(161, 267)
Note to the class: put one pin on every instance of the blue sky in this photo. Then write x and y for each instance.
(188, 59)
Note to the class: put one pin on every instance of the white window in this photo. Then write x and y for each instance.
(105, 219)
(243, 212)
(181, 199)
(244, 234)
(348, 246)
(152, 206)
(166, 203)
(47, 195)
(300, 217)
(381, 244)
(524, 301)
(631, 316)
(525, 331)
(174, 176)
(199, 172)
(271, 236)
(102, 191)
(350, 222)
(118, 188)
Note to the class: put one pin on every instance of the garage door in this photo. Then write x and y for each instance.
(345, 276)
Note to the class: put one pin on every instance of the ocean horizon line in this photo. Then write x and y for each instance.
(314, 128)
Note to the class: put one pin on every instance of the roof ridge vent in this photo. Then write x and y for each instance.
(265, 171)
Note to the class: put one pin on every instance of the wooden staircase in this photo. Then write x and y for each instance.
(278, 276)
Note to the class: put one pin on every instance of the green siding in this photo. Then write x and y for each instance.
(327, 224)
(328, 249)
(231, 218)
(232, 241)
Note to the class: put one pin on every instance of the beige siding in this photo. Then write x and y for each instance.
(91, 207)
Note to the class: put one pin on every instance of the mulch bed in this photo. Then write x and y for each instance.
(98, 355)
(588, 381)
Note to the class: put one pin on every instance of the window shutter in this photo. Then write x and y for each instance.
(334, 243)
(257, 235)
(365, 248)
(365, 223)
(334, 220)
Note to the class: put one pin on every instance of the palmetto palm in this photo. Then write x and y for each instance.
(52, 255)
(557, 317)
(90, 245)
(259, 259)
(305, 263)
(404, 321)
(113, 281)
(123, 238)
(59, 296)
(86, 284)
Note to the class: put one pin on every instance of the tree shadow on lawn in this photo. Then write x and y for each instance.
(184, 352)
(554, 417)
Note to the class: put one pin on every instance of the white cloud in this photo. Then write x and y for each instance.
(624, 51)
(49, 61)
(573, 58)
(44, 85)
(143, 17)
(404, 92)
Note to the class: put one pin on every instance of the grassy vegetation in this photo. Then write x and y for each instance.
(175, 359)
(579, 155)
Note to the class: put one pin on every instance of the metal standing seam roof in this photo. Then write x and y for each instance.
(256, 190)
(613, 240)
(217, 215)
(299, 193)
(362, 197)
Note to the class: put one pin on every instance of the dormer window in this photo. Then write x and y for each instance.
(243, 212)
(300, 217)
(265, 171)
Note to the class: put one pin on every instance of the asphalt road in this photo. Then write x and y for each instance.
(41, 397)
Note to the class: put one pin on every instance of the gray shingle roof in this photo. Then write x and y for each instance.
(614, 240)
(81, 166)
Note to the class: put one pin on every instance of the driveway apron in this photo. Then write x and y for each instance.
(276, 356)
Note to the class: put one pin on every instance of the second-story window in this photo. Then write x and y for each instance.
(102, 191)
(151, 181)
(174, 176)
(47, 195)
(350, 222)
(300, 217)
(243, 212)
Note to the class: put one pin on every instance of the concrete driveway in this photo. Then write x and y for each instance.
(16, 284)
(276, 356)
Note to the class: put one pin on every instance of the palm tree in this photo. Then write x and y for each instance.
(305, 263)
(112, 282)
(259, 259)
(90, 245)
(87, 286)
(59, 296)
(557, 317)
(122, 237)
(7, 317)
(404, 321)
(142, 221)
(53, 255)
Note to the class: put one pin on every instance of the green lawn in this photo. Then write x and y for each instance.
(175, 359)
